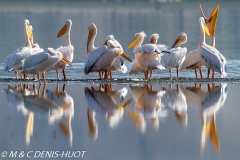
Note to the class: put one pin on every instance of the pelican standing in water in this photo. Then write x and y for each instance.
(136, 68)
(193, 59)
(175, 57)
(41, 62)
(67, 51)
(213, 58)
(147, 55)
(101, 58)
(13, 60)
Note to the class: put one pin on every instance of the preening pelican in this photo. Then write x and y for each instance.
(67, 51)
(213, 58)
(147, 55)
(41, 62)
(35, 47)
(175, 57)
(101, 58)
(193, 59)
(136, 68)
(118, 64)
(13, 60)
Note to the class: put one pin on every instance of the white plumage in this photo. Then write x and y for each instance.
(13, 60)
(175, 57)
(67, 51)
(146, 56)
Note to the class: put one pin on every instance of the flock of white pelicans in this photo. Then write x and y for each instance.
(31, 59)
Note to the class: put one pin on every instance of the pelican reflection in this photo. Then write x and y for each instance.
(147, 106)
(175, 100)
(103, 100)
(32, 103)
(210, 106)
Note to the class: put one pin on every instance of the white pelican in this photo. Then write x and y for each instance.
(13, 60)
(118, 64)
(41, 62)
(214, 60)
(147, 55)
(67, 51)
(175, 57)
(136, 68)
(193, 59)
(147, 106)
(101, 58)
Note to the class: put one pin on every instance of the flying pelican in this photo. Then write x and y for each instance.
(175, 57)
(193, 59)
(41, 62)
(13, 60)
(100, 59)
(213, 58)
(67, 51)
(136, 68)
(147, 55)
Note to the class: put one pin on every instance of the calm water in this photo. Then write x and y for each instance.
(181, 122)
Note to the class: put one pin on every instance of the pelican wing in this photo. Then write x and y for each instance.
(13, 60)
(67, 51)
(93, 57)
(34, 60)
(147, 48)
(162, 47)
(174, 58)
(214, 58)
(193, 58)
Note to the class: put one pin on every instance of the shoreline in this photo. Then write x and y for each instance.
(125, 81)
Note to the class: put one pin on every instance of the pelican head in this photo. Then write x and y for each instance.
(92, 28)
(205, 27)
(211, 21)
(28, 29)
(59, 54)
(64, 28)
(113, 43)
(181, 39)
(154, 38)
(109, 37)
(138, 39)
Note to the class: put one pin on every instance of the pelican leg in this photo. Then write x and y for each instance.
(106, 74)
(196, 73)
(150, 77)
(43, 76)
(64, 75)
(110, 73)
(16, 74)
(39, 81)
(212, 73)
(200, 70)
(57, 74)
(170, 71)
(208, 72)
(146, 74)
(99, 73)
(177, 73)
